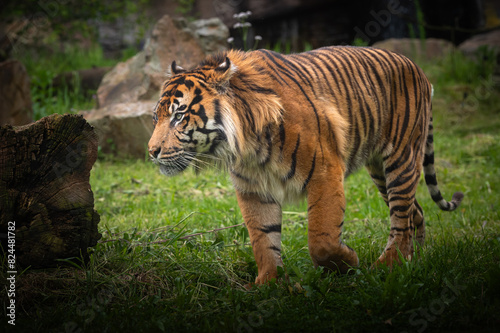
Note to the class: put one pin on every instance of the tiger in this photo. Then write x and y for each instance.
(292, 127)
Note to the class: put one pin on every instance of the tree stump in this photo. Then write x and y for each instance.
(45, 190)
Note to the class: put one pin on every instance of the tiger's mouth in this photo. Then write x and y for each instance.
(171, 166)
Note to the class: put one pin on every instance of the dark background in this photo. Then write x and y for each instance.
(118, 25)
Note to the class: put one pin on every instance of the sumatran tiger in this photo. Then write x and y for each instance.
(294, 126)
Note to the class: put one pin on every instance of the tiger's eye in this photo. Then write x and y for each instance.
(178, 116)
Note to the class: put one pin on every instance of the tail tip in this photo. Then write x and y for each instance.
(457, 198)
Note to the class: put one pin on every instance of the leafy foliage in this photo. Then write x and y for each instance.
(44, 65)
(60, 13)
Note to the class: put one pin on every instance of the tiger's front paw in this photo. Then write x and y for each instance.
(392, 257)
(340, 258)
(266, 278)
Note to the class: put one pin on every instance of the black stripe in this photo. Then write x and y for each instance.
(311, 171)
(400, 208)
(409, 188)
(217, 112)
(237, 175)
(431, 180)
(291, 173)
(183, 140)
(437, 196)
(267, 201)
(275, 248)
(271, 228)
(196, 100)
(397, 197)
(398, 182)
(418, 207)
(282, 136)
(400, 229)
(179, 80)
(350, 248)
(312, 205)
(248, 113)
(428, 159)
(269, 146)
(402, 159)
(377, 177)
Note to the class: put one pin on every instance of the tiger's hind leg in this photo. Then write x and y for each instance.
(402, 174)
(419, 223)
(376, 170)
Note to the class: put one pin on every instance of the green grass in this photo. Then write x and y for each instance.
(153, 271)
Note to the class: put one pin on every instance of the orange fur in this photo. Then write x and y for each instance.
(288, 127)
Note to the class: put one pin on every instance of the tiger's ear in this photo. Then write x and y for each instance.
(222, 74)
(174, 69)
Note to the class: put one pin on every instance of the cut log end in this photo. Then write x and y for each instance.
(44, 181)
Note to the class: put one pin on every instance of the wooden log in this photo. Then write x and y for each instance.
(45, 190)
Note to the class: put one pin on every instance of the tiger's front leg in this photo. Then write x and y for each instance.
(263, 221)
(326, 207)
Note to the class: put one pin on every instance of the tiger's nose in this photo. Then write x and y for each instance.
(154, 152)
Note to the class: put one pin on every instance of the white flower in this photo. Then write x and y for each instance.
(243, 15)
(237, 25)
(258, 37)
(230, 40)
(246, 25)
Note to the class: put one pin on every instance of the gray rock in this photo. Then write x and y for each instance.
(123, 129)
(212, 34)
(490, 39)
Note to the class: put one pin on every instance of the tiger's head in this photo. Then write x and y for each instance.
(190, 119)
(221, 108)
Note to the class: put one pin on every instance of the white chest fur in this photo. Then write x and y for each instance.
(267, 181)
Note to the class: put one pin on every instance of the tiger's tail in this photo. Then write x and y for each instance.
(431, 180)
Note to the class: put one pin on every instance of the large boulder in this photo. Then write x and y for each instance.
(128, 93)
(123, 129)
(413, 48)
(15, 96)
(211, 33)
(491, 40)
(141, 77)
